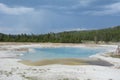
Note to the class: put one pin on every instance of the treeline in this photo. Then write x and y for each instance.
(105, 35)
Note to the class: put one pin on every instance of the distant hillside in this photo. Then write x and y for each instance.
(109, 34)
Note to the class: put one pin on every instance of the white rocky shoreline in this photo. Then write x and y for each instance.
(11, 69)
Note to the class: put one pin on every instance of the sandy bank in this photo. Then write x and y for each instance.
(68, 61)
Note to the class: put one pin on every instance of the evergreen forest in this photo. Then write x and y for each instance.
(104, 35)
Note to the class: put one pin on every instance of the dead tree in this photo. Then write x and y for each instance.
(118, 50)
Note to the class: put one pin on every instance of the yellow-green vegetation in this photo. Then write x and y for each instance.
(115, 56)
(55, 61)
(31, 78)
(68, 61)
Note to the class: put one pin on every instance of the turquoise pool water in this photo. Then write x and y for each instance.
(61, 52)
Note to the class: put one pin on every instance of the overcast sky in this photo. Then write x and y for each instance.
(43, 16)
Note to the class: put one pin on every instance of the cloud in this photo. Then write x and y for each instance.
(110, 9)
(17, 30)
(35, 22)
(27, 23)
(76, 29)
(86, 2)
(71, 7)
(56, 16)
(14, 10)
